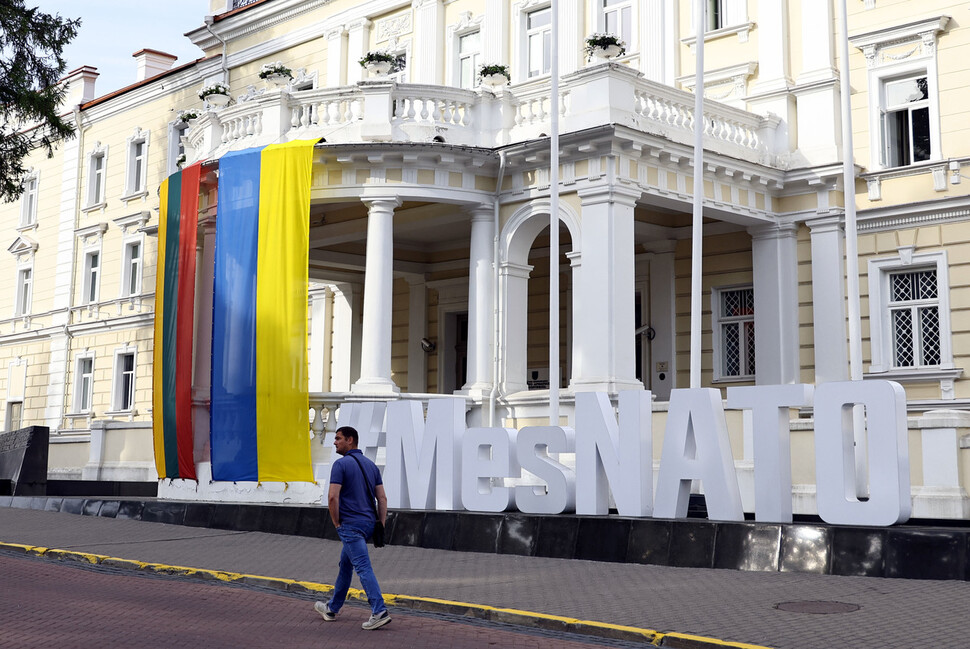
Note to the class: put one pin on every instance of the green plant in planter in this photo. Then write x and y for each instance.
(273, 69)
(594, 41)
(489, 69)
(377, 56)
(185, 116)
(214, 89)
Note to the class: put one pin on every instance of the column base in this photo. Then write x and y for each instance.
(477, 391)
(375, 386)
(610, 385)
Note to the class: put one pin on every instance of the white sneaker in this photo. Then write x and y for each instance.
(376, 621)
(324, 611)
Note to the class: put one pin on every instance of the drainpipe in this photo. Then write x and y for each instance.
(496, 364)
(74, 248)
(209, 21)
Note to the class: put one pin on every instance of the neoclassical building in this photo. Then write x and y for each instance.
(429, 243)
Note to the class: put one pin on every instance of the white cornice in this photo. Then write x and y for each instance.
(900, 33)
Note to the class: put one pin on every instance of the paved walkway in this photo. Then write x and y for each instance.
(727, 605)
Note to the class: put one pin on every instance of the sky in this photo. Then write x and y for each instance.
(112, 30)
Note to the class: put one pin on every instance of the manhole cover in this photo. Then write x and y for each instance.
(818, 608)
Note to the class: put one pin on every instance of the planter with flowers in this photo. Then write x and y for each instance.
(377, 62)
(188, 117)
(604, 46)
(215, 94)
(276, 73)
(494, 75)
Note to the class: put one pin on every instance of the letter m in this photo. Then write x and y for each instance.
(423, 457)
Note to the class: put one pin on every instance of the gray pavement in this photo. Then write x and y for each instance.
(726, 605)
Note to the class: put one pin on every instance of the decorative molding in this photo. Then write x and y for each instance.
(921, 35)
(92, 234)
(394, 26)
(742, 30)
(23, 248)
(133, 222)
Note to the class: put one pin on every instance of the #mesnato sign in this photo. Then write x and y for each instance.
(438, 463)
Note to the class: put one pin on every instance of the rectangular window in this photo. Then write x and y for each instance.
(539, 37)
(137, 166)
(914, 309)
(92, 271)
(906, 121)
(15, 411)
(124, 380)
(617, 19)
(24, 286)
(96, 180)
(131, 275)
(735, 330)
(469, 55)
(83, 384)
(715, 14)
(28, 210)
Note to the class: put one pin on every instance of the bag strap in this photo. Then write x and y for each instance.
(370, 492)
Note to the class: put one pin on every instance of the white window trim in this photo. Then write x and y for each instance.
(117, 380)
(7, 419)
(597, 16)
(24, 304)
(135, 239)
(520, 37)
(15, 390)
(880, 327)
(76, 401)
(90, 192)
(735, 22)
(28, 211)
(176, 129)
(91, 238)
(466, 24)
(921, 37)
(716, 342)
(131, 191)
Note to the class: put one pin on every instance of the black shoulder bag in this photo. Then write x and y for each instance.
(378, 536)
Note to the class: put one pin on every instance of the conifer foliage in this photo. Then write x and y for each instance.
(31, 63)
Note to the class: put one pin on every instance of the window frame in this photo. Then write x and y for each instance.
(118, 379)
(176, 130)
(29, 199)
(136, 175)
(91, 277)
(25, 289)
(618, 5)
(527, 33)
(80, 390)
(476, 58)
(717, 335)
(880, 319)
(126, 269)
(8, 419)
(96, 197)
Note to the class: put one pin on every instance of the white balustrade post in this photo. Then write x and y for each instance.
(375, 356)
(480, 291)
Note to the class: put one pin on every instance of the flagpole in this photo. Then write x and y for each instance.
(554, 215)
(697, 229)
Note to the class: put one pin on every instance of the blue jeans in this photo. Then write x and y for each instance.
(354, 557)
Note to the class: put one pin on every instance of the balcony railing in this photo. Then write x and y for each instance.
(382, 110)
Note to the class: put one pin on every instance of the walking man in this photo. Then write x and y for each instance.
(353, 478)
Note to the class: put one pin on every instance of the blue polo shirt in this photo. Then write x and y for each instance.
(355, 504)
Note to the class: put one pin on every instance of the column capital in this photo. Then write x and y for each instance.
(481, 212)
(773, 231)
(515, 270)
(358, 25)
(335, 32)
(826, 223)
(381, 203)
(627, 196)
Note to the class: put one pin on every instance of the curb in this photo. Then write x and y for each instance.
(515, 617)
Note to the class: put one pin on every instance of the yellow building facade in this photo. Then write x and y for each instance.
(451, 175)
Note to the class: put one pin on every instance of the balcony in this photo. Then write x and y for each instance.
(382, 110)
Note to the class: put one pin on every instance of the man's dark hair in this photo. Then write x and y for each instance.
(350, 433)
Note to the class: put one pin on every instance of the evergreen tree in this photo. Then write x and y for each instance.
(31, 62)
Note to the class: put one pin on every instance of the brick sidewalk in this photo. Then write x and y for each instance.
(734, 606)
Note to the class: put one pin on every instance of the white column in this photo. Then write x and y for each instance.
(337, 57)
(817, 97)
(478, 378)
(828, 299)
(576, 264)
(358, 42)
(663, 359)
(514, 346)
(427, 63)
(570, 34)
(775, 264)
(321, 311)
(202, 372)
(375, 355)
(773, 56)
(604, 328)
(818, 42)
(345, 359)
(417, 329)
(495, 32)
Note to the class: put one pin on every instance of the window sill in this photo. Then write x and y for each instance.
(131, 412)
(741, 30)
(78, 415)
(749, 378)
(874, 179)
(94, 207)
(915, 374)
(27, 227)
(132, 197)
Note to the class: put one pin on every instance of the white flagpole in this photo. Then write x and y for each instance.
(554, 215)
(697, 230)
